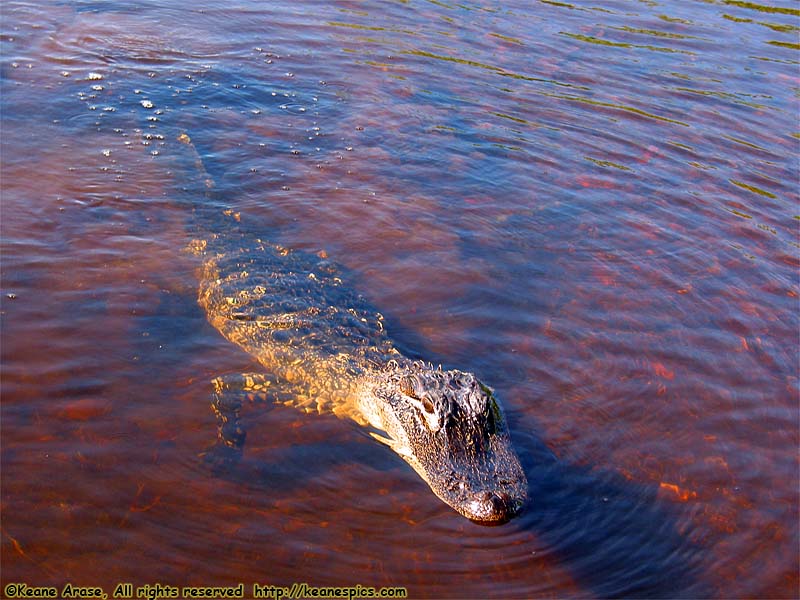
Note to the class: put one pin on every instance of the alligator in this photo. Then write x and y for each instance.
(325, 349)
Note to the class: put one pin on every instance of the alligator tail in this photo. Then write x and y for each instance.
(210, 217)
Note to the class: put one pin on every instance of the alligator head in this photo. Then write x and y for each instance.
(449, 427)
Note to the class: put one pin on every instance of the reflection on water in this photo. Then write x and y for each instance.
(592, 205)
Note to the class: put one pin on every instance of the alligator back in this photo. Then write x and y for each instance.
(296, 314)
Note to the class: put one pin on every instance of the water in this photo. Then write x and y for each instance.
(592, 205)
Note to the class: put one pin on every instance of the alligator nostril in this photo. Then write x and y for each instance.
(492, 507)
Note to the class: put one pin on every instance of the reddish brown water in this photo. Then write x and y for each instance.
(592, 205)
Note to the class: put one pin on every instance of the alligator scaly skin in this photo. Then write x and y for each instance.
(326, 350)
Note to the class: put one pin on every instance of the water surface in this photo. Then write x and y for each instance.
(592, 205)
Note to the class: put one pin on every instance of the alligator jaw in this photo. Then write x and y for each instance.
(489, 489)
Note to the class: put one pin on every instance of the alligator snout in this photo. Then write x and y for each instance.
(492, 507)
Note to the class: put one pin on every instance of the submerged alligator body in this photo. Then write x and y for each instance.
(324, 349)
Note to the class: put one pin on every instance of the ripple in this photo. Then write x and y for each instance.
(592, 208)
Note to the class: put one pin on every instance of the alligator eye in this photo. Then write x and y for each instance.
(427, 405)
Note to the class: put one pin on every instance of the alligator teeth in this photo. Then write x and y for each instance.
(382, 439)
(403, 451)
